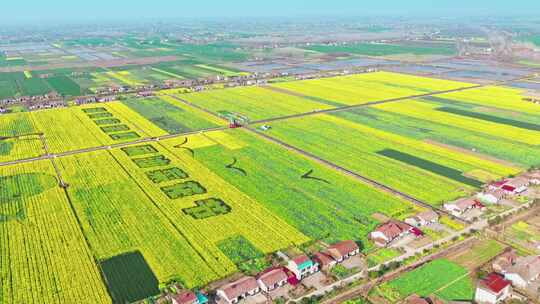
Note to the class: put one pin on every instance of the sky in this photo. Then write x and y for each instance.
(39, 11)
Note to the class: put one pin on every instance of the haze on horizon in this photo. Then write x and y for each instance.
(40, 12)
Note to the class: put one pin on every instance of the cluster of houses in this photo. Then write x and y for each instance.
(394, 230)
(31, 99)
(293, 273)
(95, 99)
(509, 271)
(494, 193)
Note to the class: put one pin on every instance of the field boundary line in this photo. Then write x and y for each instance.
(451, 283)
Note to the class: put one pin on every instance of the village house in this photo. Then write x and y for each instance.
(461, 206)
(390, 231)
(519, 184)
(497, 185)
(325, 261)
(272, 279)
(343, 250)
(494, 288)
(534, 177)
(512, 187)
(524, 271)
(504, 261)
(240, 289)
(491, 196)
(302, 266)
(185, 297)
(423, 219)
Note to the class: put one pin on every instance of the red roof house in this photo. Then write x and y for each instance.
(271, 279)
(185, 297)
(494, 288)
(343, 250)
(239, 289)
(324, 260)
(389, 231)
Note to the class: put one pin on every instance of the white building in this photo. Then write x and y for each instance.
(491, 196)
(302, 266)
(272, 279)
(492, 289)
(524, 271)
(240, 289)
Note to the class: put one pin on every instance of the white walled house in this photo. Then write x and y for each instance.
(240, 289)
(272, 279)
(524, 271)
(491, 196)
(302, 266)
(494, 288)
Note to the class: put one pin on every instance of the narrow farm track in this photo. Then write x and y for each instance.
(53, 162)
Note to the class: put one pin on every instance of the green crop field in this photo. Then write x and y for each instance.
(379, 49)
(429, 172)
(44, 255)
(64, 85)
(332, 206)
(423, 128)
(254, 102)
(171, 115)
(364, 88)
(447, 280)
(34, 86)
(123, 213)
(482, 252)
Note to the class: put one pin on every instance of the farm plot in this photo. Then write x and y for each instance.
(487, 145)
(204, 208)
(118, 217)
(182, 70)
(369, 87)
(171, 115)
(380, 49)
(125, 77)
(498, 97)
(20, 147)
(81, 127)
(45, 258)
(16, 124)
(481, 252)
(506, 128)
(64, 85)
(428, 172)
(443, 278)
(254, 102)
(8, 84)
(34, 86)
(318, 201)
